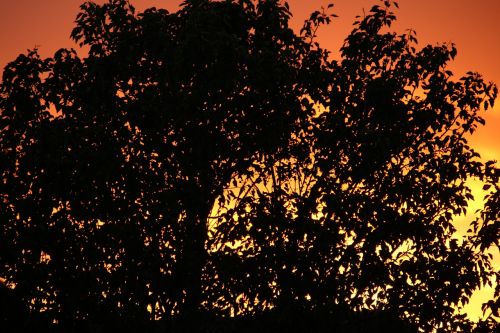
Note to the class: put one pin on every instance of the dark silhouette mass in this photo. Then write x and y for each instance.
(211, 170)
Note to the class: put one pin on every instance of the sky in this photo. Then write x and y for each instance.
(473, 25)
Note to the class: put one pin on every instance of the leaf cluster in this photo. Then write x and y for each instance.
(211, 163)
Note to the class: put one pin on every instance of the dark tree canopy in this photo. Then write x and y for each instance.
(212, 170)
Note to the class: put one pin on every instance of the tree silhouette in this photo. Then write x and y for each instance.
(212, 170)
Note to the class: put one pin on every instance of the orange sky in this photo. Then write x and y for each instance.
(473, 25)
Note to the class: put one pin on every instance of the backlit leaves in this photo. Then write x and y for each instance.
(211, 162)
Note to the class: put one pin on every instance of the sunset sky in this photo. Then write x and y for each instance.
(473, 25)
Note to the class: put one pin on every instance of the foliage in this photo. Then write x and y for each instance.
(211, 163)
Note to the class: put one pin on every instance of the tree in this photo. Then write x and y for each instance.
(211, 163)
